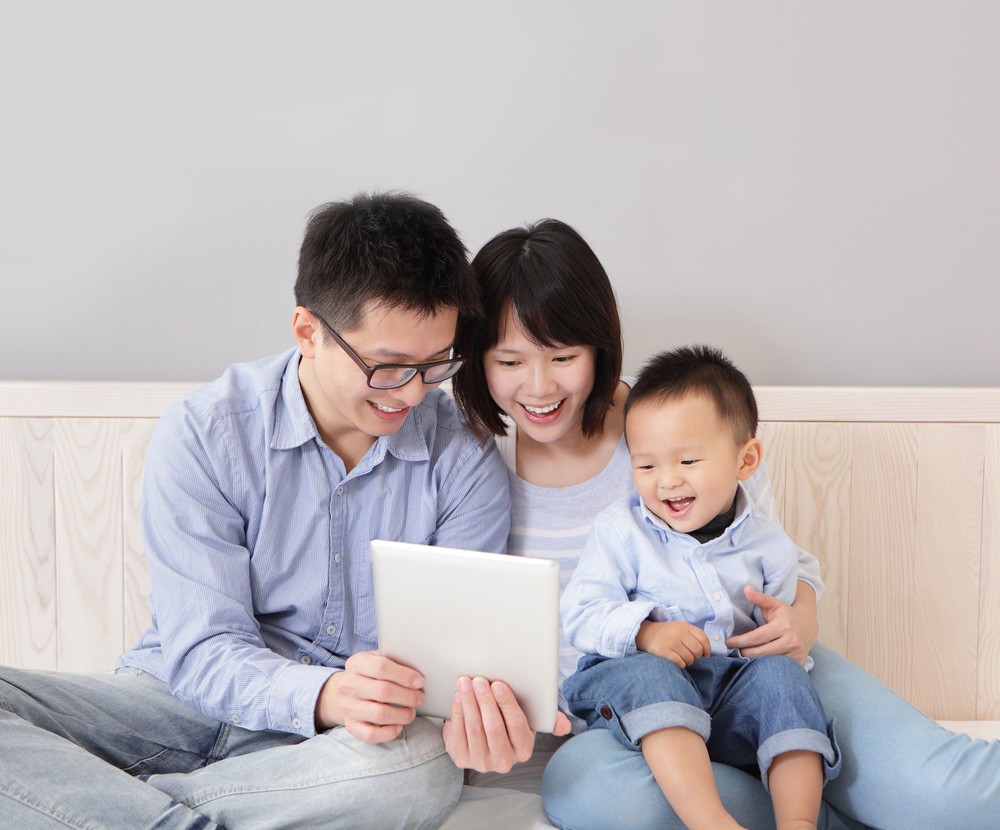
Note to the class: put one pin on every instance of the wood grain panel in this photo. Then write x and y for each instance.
(772, 436)
(988, 675)
(946, 573)
(136, 436)
(882, 544)
(89, 542)
(27, 545)
(818, 511)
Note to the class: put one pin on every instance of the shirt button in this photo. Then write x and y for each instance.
(700, 553)
(235, 719)
(331, 630)
(304, 659)
(336, 558)
(715, 637)
(606, 712)
(340, 490)
(296, 723)
(716, 596)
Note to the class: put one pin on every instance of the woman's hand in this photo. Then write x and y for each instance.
(788, 629)
(679, 642)
(487, 730)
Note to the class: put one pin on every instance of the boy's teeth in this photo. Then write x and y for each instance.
(386, 408)
(543, 410)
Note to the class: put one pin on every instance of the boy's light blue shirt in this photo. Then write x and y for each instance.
(635, 567)
(258, 539)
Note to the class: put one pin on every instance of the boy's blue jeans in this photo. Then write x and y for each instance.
(117, 750)
(747, 711)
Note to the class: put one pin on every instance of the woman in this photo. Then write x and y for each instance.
(548, 357)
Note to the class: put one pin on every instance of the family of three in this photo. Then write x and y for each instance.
(257, 698)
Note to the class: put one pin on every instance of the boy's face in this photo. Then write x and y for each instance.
(686, 462)
(336, 389)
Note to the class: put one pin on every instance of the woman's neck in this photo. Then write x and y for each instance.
(575, 458)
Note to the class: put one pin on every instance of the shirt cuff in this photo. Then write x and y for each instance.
(291, 705)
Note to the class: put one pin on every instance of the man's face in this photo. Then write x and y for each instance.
(342, 404)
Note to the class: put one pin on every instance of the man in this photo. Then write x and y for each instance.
(256, 698)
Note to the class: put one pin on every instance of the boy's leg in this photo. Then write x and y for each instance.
(650, 704)
(767, 711)
(678, 759)
(796, 784)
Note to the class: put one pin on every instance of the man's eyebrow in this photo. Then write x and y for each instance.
(387, 353)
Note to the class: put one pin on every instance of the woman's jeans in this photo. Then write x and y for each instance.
(117, 750)
(901, 771)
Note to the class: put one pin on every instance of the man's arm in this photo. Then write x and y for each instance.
(214, 656)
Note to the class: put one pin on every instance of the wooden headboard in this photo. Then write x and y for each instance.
(897, 491)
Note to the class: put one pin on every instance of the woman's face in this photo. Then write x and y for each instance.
(542, 389)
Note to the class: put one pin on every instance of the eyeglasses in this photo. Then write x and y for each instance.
(394, 375)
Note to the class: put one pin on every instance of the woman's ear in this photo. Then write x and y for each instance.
(751, 454)
(306, 332)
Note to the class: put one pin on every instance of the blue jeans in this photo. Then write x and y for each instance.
(901, 771)
(747, 711)
(118, 750)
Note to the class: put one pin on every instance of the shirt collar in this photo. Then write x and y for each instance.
(294, 426)
(743, 507)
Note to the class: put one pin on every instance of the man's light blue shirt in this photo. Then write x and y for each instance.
(258, 538)
(635, 567)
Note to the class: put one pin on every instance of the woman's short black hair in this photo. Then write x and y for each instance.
(390, 249)
(560, 294)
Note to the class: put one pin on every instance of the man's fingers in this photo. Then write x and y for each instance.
(374, 665)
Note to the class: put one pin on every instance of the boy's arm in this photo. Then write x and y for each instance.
(597, 613)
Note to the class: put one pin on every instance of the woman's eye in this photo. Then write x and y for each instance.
(507, 363)
(689, 461)
(564, 358)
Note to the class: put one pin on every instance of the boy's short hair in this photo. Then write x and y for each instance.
(391, 249)
(552, 280)
(703, 370)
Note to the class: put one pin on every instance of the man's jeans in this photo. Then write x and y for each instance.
(109, 751)
(747, 711)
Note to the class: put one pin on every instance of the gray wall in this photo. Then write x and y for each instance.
(814, 187)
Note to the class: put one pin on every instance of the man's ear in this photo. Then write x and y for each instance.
(305, 330)
(751, 454)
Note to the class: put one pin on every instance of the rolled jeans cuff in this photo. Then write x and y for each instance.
(640, 722)
(808, 740)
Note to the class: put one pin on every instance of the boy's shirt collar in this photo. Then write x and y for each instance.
(743, 505)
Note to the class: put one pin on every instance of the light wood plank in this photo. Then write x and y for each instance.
(881, 540)
(772, 436)
(818, 470)
(89, 543)
(27, 545)
(946, 573)
(136, 436)
(988, 676)
(878, 404)
(89, 399)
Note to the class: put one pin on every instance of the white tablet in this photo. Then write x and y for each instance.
(449, 613)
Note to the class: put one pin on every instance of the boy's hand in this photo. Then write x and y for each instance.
(679, 642)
